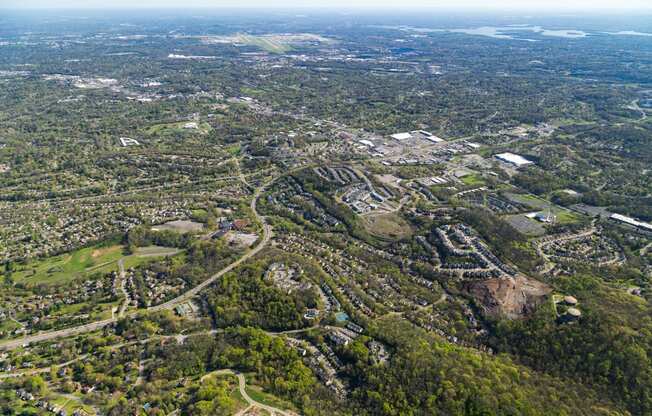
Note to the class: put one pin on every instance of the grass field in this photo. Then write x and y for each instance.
(234, 150)
(84, 262)
(70, 403)
(8, 325)
(237, 397)
(69, 266)
(472, 180)
(141, 256)
(563, 216)
(260, 396)
(529, 200)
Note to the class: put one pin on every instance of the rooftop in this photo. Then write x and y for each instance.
(631, 221)
(513, 159)
(401, 136)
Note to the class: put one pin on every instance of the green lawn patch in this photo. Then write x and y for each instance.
(70, 403)
(562, 216)
(473, 180)
(8, 325)
(234, 149)
(260, 396)
(565, 217)
(85, 262)
(69, 266)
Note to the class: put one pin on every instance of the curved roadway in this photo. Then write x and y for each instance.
(93, 326)
(252, 403)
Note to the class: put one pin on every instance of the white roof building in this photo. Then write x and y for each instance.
(401, 136)
(127, 141)
(513, 159)
(434, 139)
(632, 221)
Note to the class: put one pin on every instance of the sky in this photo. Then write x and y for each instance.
(589, 5)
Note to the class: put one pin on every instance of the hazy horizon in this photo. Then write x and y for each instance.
(550, 5)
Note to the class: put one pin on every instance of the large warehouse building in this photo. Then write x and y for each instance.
(513, 159)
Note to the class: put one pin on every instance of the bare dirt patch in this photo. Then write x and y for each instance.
(242, 239)
(181, 227)
(389, 226)
(510, 297)
(525, 225)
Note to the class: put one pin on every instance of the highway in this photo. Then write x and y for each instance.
(68, 332)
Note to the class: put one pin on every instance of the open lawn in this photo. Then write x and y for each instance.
(8, 325)
(84, 262)
(529, 200)
(143, 255)
(68, 266)
(260, 396)
(563, 216)
(234, 149)
(472, 180)
(69, 403)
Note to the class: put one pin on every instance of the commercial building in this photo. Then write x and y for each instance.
(434, 139)
(513, 159)
(632, 221)
(401, 136)
(126, 141)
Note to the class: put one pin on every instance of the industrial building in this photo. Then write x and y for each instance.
(401, 136)
(513, 159)
(632, 221)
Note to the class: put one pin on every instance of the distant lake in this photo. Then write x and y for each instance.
(629, 33)
(515, 32)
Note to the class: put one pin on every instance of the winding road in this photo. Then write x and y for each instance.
(252, 403)
(93, 326)
(541, 243)
(635, 107)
